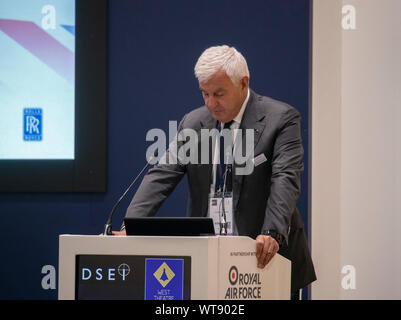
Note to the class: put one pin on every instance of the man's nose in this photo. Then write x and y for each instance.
(211, 102)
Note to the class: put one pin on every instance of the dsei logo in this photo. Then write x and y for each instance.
(108, 274)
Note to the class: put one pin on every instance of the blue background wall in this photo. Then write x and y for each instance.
(153, 47)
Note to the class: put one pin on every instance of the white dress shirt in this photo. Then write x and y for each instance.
(234, 131)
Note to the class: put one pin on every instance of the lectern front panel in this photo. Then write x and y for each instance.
(133, 277)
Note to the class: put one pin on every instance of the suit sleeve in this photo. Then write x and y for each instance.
(287, 165)
(158, 183)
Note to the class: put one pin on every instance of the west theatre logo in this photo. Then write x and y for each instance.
(164, 274)
(164, 279)
(243, 285)
(32, 124)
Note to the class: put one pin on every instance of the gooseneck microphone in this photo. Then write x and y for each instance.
(108, 225)
(223, 222)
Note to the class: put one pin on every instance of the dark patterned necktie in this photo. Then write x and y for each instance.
(221, 167)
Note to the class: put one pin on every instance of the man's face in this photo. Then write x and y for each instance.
(222, 98)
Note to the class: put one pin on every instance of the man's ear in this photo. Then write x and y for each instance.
(244, 83)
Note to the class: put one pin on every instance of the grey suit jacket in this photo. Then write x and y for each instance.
(264, 200)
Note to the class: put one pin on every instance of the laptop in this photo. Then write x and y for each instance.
(169, 226)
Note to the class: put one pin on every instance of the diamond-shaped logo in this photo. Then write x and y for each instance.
(164, 274)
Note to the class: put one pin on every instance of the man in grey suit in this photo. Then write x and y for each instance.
(263, 201)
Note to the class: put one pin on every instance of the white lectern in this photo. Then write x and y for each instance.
(164, 268)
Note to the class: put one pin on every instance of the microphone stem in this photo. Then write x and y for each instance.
(223, 226)
(108, 225)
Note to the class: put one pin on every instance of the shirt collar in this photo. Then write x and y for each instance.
(238, 117)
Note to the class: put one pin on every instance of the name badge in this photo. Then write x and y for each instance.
(219, 209)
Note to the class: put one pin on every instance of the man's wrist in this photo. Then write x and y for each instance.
(275, 235)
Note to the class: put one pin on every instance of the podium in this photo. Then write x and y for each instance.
(167, 268)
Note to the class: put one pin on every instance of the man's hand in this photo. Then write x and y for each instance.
(120, 233)
(117, 233)
(266, 248)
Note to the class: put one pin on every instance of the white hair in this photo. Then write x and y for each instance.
(224, 58)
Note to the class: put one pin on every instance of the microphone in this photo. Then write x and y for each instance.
(108, 225)
(223, 222)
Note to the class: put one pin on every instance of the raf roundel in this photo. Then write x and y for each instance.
(233, 275)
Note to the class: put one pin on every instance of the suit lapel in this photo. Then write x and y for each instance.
(208, 123)
(252, 119)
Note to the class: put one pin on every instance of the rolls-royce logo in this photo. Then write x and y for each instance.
(32, 124)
